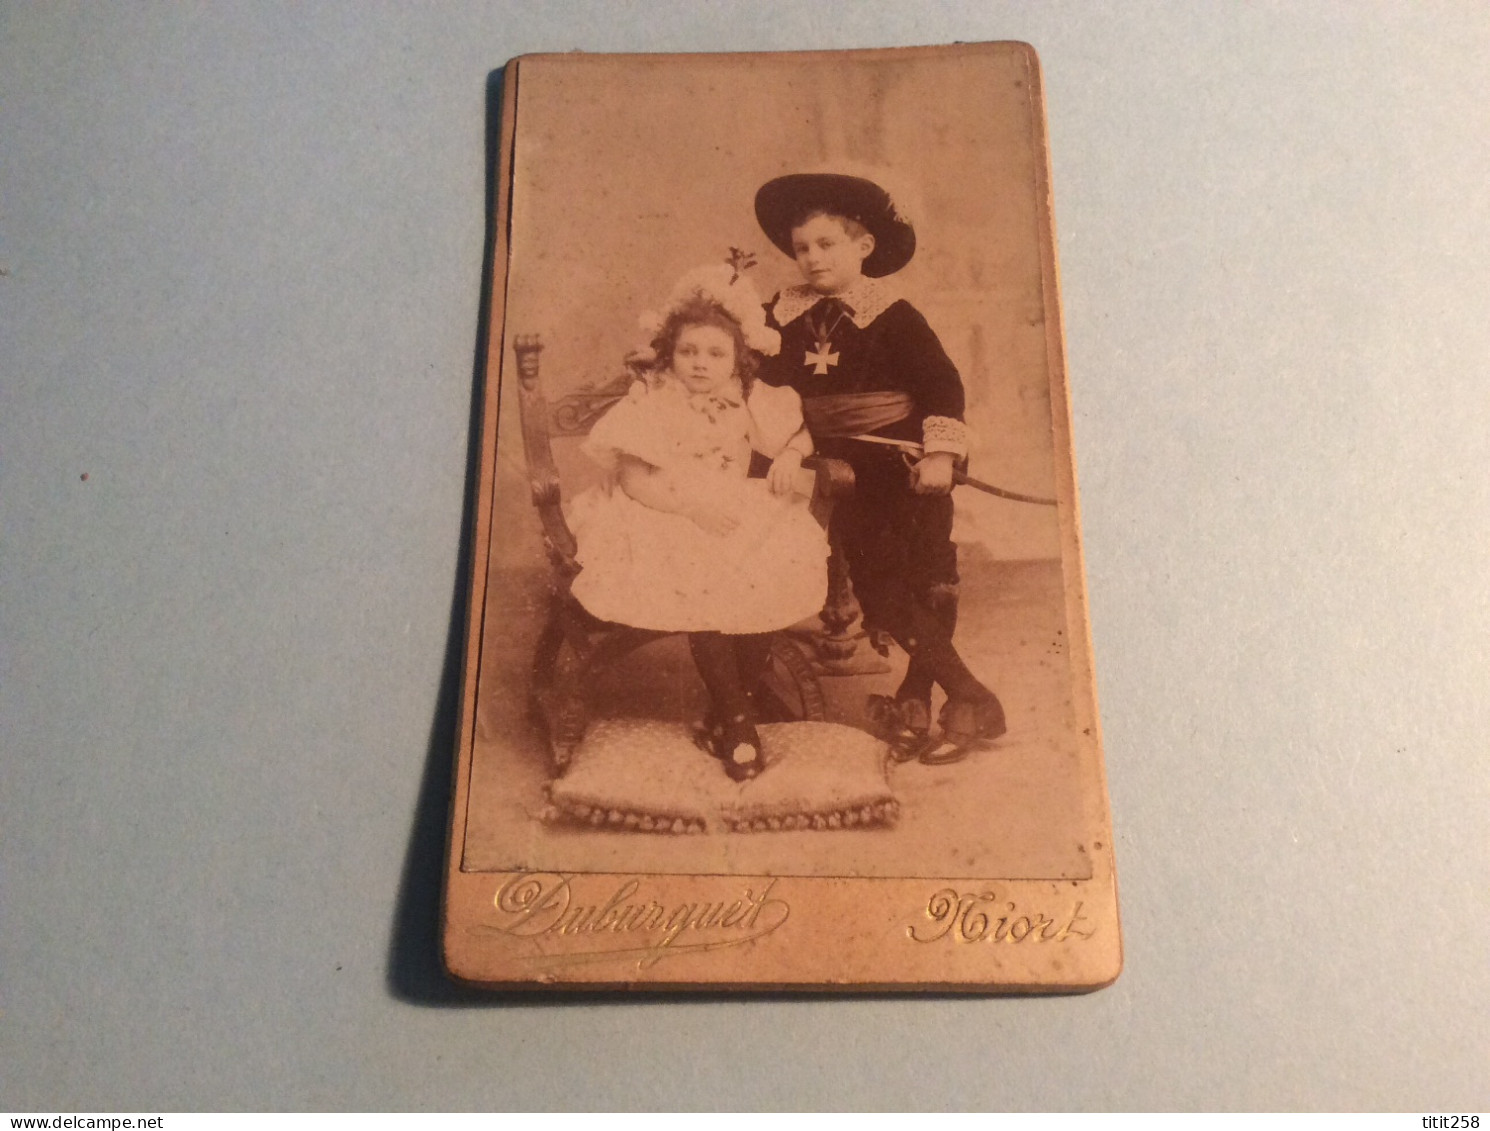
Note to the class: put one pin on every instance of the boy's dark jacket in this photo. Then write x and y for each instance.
(882, 345)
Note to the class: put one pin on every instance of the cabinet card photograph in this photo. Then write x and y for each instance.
(778, 669)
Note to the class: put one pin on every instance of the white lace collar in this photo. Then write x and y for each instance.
(866, 300)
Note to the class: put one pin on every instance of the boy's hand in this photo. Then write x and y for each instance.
(932, 474)
(713, 519)
(783, 473)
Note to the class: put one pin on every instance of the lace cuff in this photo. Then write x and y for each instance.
(944, 434)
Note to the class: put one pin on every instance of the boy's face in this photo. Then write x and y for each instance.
(704, 358)
(829, 258)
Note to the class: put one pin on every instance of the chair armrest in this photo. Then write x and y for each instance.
(835, 477)
(558, 540)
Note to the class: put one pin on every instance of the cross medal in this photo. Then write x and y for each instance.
(821, 358)
(824, 355)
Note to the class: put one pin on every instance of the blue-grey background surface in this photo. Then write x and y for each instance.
(242, 252)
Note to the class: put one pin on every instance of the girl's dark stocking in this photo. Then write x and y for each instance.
(714, 656)
(737, 742)
(752, 655)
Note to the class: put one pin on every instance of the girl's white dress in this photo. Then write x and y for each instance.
(652, 569)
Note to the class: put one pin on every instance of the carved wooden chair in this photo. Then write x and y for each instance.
(574, 646)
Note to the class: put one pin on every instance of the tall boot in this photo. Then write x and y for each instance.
(913, 696)
(904, 720)
(972, 713)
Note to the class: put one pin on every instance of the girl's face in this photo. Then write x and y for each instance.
(704, 358)
(829, 258)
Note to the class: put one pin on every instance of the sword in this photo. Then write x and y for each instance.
(909, 448)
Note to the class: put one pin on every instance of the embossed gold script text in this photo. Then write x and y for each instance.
(543, 906)
(988, 917)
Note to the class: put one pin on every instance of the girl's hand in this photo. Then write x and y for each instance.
(712, 519)
(932, 475)
(783, 473)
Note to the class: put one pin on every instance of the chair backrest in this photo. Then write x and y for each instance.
(543, 473)
(572, 415)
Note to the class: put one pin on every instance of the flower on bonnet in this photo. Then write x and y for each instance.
(728, 289)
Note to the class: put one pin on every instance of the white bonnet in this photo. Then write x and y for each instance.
(727, 288)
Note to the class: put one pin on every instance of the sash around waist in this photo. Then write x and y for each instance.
(848, 414)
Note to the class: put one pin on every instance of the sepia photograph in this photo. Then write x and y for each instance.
(612, 557)
(781, 575)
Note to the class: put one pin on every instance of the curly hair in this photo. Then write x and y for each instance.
(701, 312)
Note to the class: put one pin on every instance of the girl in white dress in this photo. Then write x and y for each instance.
(678, 538)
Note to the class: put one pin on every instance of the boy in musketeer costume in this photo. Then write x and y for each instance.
(869, 369)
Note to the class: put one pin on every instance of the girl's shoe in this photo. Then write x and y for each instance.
(738, 745)
(966, 723)
(707, 733)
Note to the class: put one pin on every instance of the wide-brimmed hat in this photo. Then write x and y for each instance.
(784, 201)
